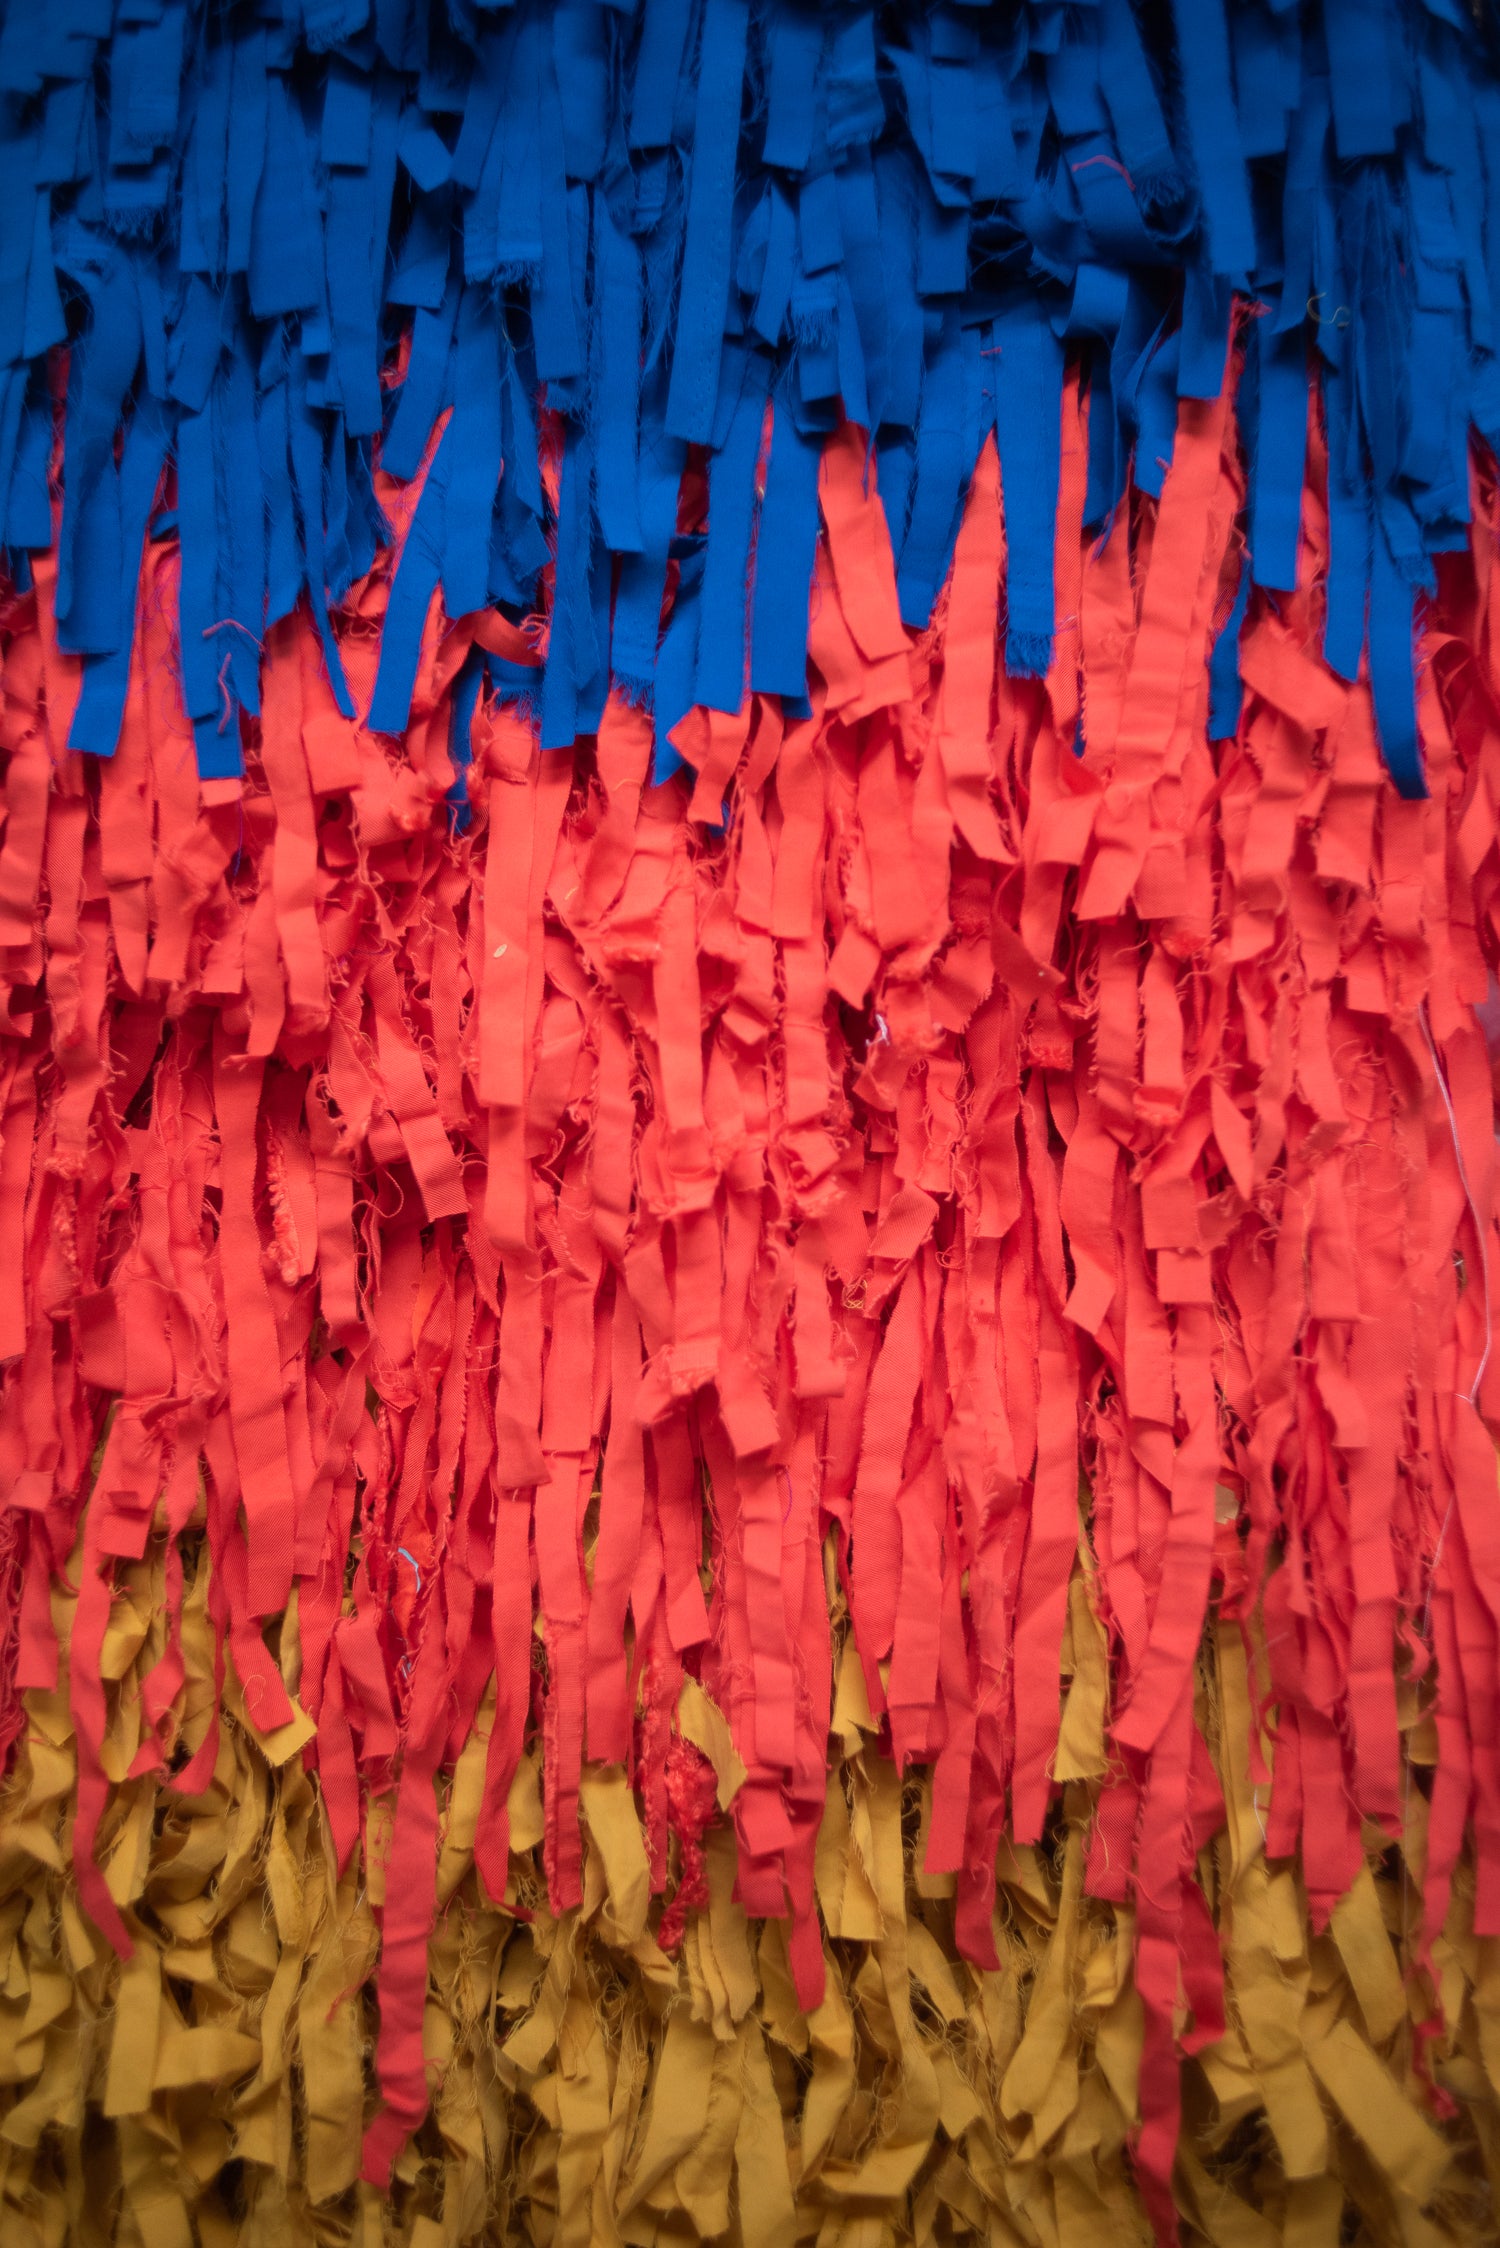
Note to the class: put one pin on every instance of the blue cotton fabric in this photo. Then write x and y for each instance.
(718, 225)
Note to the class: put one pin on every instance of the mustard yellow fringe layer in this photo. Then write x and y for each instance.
(589, 2088)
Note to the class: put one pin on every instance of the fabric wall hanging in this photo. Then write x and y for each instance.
(748, 897)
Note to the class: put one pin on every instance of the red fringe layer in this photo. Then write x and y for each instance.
(953, 1126)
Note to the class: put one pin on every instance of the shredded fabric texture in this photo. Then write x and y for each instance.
(748, 909)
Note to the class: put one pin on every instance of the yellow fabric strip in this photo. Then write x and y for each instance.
(588, 2087)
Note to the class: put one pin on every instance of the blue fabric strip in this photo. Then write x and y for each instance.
(286, 234)
(574, 657)
(795, 45)
(521, 449)
(412, 589)
(243, 567)
(483, 97)
(1156, 422)
(854, 113)
(581, 62)
(1261, 82)
(1349, 532)
(1213, 127)
(1204, 350)
(941, 477)
(195, 345)
(205, 164)
(475, 438)
(557, 293)
(101, 695)
(204, 203)
(719, 681)
(784, 551)
(1134, 104)
(283, 547)
(28, 507)
(424, 393)
(774, 289)
(617, 347)
(1392, 670)
(1107, 464)
(1303, 199)
(423, 151)
(706, 250)
(859, 225)
(346, 116)
(675, 667)
(503, 219)
(426, 255)
(1028, 374)
(248, 150)
(518, 546)
(903, 314)
(653, 93)
(1225, 691)
(89, 616)
(60, 157)
(461, 736)
(14, 384)
(42, 321)
(1280, 458)
(308, 469)
(1364, 121)
(216, 744)
(820, 245)
(638, 600)
(200, 589)
(359, 205)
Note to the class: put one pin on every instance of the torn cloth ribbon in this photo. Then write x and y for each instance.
(748, 906)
